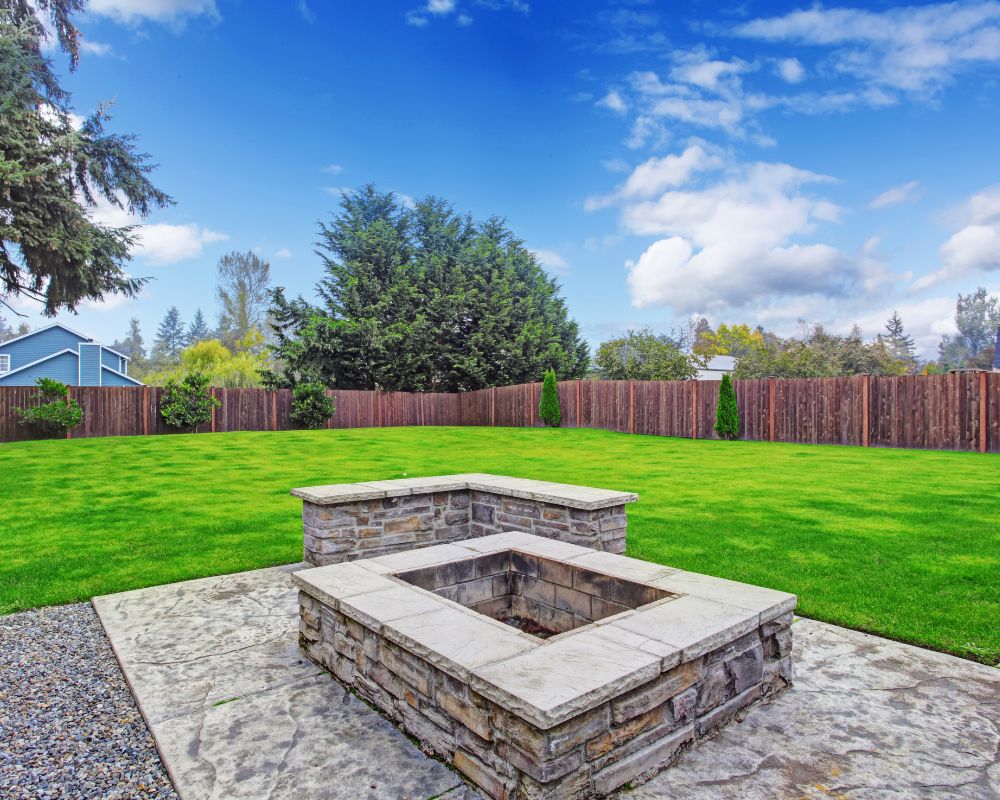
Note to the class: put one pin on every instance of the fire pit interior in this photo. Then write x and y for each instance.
(539, 596)
(611, 666)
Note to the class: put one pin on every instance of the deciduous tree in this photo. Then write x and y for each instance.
(642, 355)
(244, 283)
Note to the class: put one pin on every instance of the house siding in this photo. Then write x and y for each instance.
(112, 360)
(61, 368)
(109, 378)
(39, 345)
(90, 365)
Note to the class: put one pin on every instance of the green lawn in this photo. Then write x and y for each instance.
(902, 543)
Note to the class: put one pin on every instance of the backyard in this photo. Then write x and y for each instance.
(902, 543)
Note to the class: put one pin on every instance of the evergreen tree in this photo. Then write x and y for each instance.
(53, 171)
(170, 337)
(133, 345)
(548, 405)
(423, 299)
(727, 415)
(899, 344)
(6, 332)
(198, 330)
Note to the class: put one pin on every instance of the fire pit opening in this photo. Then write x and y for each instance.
(537, 595)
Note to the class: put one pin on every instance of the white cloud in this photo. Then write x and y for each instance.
(613, 101)
(333, 169)
(657, 174)
(463, 20)
(791, 70)
(158, 242)
(910, 48)
(132, 12)
(440, 6)
(284, 252)
(904, 193)
(162, 243)
(551, 260)
(730, 234)
(975, 247)
(94, 48)
(616, 165)
(698, 69)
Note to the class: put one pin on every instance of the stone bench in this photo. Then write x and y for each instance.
(350, 521)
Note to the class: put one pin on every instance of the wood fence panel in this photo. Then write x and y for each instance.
(610, 405)
(474, 408)
(648, 397)
(950, 412)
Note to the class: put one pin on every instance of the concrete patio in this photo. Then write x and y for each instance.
(238, 712)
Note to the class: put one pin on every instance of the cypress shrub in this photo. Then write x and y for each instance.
(548, 406)
(727, 416)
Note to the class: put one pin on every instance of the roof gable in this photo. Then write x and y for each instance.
(54, 325)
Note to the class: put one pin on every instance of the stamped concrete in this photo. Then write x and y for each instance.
(238, 712)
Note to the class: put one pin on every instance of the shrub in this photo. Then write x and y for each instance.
(188, 404)
(548, 406)
(727, 416)
(311, 408)
(57, 412)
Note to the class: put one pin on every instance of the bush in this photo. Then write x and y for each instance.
(188, 404)
(57, 413)
(548, 406)
(727, 416)
(311, 408)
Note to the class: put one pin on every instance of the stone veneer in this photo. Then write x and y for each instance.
(611, 701)
(345, 522)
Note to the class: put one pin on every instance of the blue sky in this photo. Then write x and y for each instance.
(829, 163)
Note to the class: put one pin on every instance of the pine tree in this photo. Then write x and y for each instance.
(133, 344)
(727, 415)
(170, 336)
(900, 345)
(55, 171)
(198, 330)
(548, 406)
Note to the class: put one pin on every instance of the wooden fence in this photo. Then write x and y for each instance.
(945, 412)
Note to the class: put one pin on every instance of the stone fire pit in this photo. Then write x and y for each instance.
(541, 668)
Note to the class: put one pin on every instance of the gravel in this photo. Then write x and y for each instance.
(69, 727)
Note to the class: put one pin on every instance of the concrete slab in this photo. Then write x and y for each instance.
(236, 710)
(866, 718)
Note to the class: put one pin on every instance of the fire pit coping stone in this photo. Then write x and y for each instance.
(585, 498)
(545, 682)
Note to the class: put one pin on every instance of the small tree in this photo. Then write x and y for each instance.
(188, 404)
(311, 408)
(727, 416)
(548, 406)
(57, 412)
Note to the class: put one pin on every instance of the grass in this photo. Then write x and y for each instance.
(902, 543)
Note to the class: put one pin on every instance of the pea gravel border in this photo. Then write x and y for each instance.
(69, 726)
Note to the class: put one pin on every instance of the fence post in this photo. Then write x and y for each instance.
(631, 406)
(274, 409)
(983, 399)
(531, 405)
(421, 396)
(378, 409)
(865, 401)
(212, 393)
(770, 408)
(694, 409)
(145, 411)
(578, 425)
(493, 406)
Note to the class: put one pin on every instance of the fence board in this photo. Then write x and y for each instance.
(935, 412)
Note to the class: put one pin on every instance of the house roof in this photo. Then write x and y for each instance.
(721, 363)
(86, 339)
(121, 374)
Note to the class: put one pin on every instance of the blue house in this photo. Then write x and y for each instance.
(65, 355)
